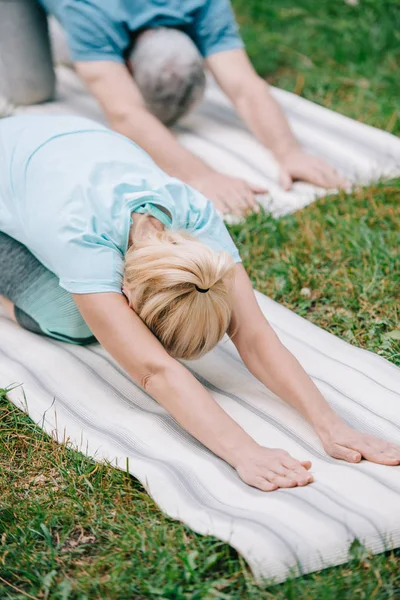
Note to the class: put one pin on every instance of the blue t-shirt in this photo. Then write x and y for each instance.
(68, 187)
(103, 29)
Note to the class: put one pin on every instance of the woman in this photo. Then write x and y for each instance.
(102, 224)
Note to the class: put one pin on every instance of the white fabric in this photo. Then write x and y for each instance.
(215, 133)
(79, 394)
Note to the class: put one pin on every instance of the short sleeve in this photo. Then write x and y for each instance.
(92, 35)
(215, 28)
(197, 216)
(85, 260)
(92, 267)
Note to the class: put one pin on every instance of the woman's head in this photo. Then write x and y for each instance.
(181, 289)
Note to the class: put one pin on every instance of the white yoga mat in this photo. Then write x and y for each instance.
(214, 132)
(79, 394)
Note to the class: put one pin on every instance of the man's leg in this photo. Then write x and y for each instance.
(35, 299)
(168, 69)
(26, 69)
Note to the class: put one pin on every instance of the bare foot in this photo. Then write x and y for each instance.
(351, 445)
(269, 469)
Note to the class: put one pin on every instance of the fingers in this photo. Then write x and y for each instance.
(326, 176)
(386, 455)
(240, 199)
(257, 189)
(237, 203)
(292, 463)
(271, 468)
(307, 464)
(330, 177)
(380, 452)
(286, 471)
(313, 170)
(289, 477)
(264, 485)
(351, 445)
(248, 200)
(346, 454)
(285, 180)
(298, 470)
(252, 204)
(221, 205)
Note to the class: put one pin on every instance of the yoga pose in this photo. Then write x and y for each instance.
(89, 222)
(145, 64)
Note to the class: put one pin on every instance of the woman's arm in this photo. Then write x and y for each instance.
(268, 360)
(137, 350)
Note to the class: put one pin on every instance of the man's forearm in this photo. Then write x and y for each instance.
(148, 132)
(265, 118)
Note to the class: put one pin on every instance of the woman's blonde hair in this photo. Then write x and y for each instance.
(166, 276)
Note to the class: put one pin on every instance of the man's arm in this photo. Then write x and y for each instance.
(272, 364)
(137, 350)
(113, 86)
(264, 117)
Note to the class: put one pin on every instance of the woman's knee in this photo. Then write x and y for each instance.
(168, 70)
(40, 304)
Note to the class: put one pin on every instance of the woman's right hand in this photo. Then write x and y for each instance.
(269, 469)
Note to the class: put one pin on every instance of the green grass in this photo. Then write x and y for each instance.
(72, 529)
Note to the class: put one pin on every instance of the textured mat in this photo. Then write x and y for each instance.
(79, 394)
(215, 133)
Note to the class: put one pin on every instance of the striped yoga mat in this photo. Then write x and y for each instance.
(79, 394)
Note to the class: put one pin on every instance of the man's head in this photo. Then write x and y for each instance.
(168, 69)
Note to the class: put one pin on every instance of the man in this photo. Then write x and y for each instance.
(144, 62)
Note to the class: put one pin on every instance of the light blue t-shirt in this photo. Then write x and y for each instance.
(104, 29)
(68, 187)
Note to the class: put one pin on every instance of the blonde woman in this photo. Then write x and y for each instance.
(89, 222)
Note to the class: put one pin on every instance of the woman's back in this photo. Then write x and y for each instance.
(69, 186)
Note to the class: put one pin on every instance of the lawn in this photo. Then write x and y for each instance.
(73, 529)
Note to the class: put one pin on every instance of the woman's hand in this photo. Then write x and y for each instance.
(269, 469)
(341, 441)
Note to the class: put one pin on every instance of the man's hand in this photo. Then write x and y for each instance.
(299, 165)
(253, 101)
(229, 194)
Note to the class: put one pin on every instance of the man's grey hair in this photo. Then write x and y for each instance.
(168, 70)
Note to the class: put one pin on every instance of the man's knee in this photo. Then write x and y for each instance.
(168, 69)
(26, 69)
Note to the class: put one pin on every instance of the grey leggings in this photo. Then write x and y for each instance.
(19, 271)
(166, 65)
(24, 280)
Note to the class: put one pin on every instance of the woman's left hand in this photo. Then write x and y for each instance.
(350, 445)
